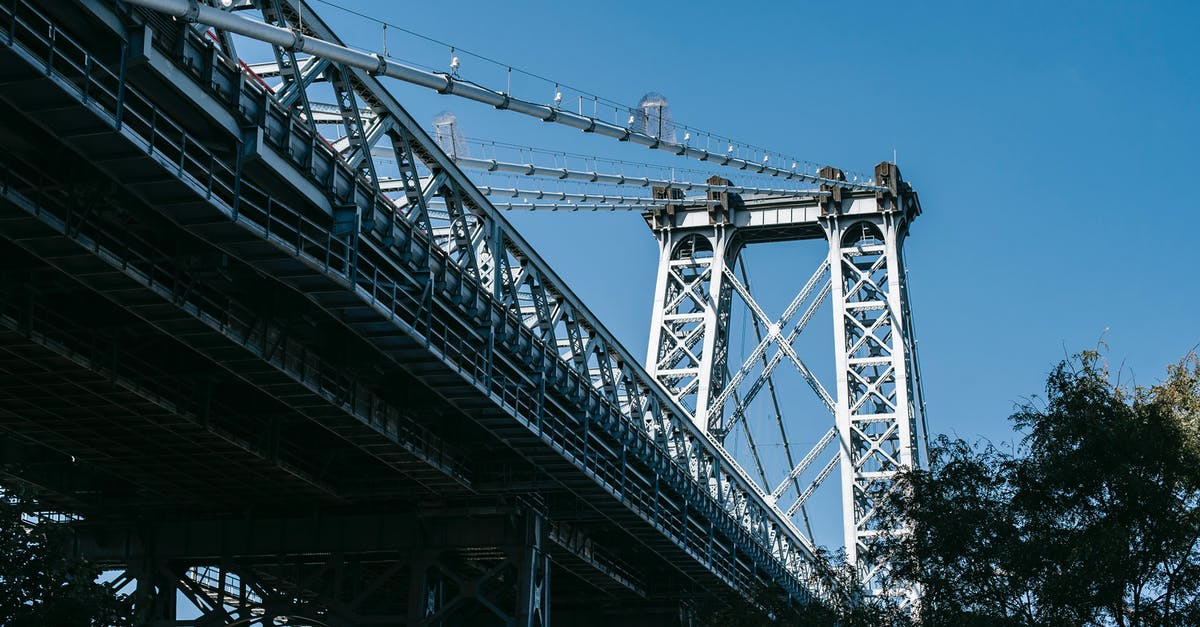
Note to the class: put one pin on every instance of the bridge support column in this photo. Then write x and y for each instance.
(509, 586)
(534, 575)
(689, 326)
(426, 593)
(874, 410)
(154, 599)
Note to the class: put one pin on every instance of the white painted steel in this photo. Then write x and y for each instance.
(876, 422)
(875, 419)
(447, 84)
(688, 341)
(565, 174)
(392, 185)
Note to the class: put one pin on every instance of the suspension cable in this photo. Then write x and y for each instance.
(529, 169)
(445, 83)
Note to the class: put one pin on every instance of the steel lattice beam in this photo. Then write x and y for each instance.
(876, 416)
(379, 65)
(566, 174)
(877, 422)
(517, 334)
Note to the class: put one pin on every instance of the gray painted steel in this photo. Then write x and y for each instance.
(455, 298)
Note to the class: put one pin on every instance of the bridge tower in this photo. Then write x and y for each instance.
(875, 404)
(690, 326)
(377, 402)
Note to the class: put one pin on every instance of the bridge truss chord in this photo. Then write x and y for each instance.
(406, 361)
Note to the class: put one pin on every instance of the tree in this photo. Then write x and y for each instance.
(1095, 521)
(963, 537)
(41, 585)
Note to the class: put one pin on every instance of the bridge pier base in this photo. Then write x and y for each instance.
(534, 575)
(154, 592)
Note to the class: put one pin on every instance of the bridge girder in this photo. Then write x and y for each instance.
(466, 308)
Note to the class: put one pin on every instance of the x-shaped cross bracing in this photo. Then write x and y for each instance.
(812, 487)
(775, 336)
(868, 333)
(863, 279)
(871, 389)
(804, 463)
(875, 444)
(678, 342)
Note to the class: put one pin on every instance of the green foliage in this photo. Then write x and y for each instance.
(42, 586)
(962, 532)
(1095, 522)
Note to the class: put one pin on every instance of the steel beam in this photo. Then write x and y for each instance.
(482, 303)
(567, 197)
(447, 84)
(566, 174)
(876, 418)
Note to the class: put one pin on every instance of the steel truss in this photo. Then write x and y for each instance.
(879, 414)
(379, 65)
(463, 285)
(537, 194)
(488, 567)
(875, 407)
(689, 328)
(565, 174)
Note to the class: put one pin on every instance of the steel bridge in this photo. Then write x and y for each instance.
(282, 375)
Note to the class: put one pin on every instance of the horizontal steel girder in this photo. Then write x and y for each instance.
(628, 427)
(379, 65)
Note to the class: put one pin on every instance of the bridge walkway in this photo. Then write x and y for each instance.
(217, 244)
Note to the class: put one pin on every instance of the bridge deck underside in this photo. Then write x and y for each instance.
(197, 366)
(117, 400)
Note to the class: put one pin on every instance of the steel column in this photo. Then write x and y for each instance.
(875, 419)
(690, 319)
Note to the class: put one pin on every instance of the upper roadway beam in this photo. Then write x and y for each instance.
(380, 65)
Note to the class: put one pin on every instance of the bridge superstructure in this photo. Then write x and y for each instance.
(335, 396)
(875, 409)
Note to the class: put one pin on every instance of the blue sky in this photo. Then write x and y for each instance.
(1053, 145)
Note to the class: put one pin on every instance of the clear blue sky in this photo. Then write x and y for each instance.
(1053, 145)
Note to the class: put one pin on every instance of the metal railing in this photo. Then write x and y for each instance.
(673, 476)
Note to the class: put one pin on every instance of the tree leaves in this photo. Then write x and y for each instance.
(1095, 522)
(42, 585)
